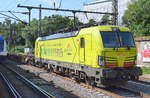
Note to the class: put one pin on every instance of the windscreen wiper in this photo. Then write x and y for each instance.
(116, 47)
(128, 47)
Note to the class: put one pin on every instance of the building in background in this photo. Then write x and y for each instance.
(103, 7)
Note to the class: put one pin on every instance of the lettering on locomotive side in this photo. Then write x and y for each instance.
(55, 52)
(59, 52)
(68, 51)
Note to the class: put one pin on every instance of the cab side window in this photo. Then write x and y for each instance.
(82, 42)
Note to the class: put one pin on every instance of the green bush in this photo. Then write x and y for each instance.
(17, 49)
(146, 70)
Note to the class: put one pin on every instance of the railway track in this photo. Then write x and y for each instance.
(119, 92)
(20, 87)
(116, 92)
(139, 87)
(143, 82)
(7, 90)
(84, 89)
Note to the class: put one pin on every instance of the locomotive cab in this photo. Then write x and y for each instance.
(118, 56)
(119, 48)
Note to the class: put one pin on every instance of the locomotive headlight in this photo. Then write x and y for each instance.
(101, 61)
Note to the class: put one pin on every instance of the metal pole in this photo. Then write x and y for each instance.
(115, 11)
(29, 15)
(74, 20)
(40, 17)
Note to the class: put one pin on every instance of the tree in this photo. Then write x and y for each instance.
(91, 21)
(30, 33)
(105, 19)
(50, 25)
(137, 17)
(20, 35)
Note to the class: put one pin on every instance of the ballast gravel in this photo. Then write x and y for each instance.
(76, 90)
(71, 86)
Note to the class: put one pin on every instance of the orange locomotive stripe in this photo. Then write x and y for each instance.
(129, 64)
(111, 65)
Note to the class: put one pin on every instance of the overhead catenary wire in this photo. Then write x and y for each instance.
(13, 18)
(66, 10)
(9, 4)
(25, 1)
(63, 10)
(60, 3)
(14, 15)
(15, 12)
(98, 2)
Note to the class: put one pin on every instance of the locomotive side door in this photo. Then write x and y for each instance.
(82, 50)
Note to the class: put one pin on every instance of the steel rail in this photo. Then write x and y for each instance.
(37, 89)
(141, 94)
(143, 82)
(12, 90)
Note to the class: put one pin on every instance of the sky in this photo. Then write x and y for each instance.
(11, 5)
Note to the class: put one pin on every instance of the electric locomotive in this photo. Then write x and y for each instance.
(100, 55)
(3, 48)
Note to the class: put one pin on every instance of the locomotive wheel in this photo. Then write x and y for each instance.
(87, 81)
(77, 79)
(135, 78)
(90, 81)
(51, 70)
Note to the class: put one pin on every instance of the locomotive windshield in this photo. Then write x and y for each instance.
(117, 39)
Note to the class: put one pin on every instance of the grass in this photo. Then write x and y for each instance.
(17, 49)
(146, 70)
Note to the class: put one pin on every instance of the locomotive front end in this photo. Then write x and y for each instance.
(118, 56)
